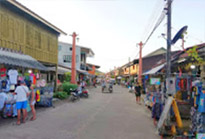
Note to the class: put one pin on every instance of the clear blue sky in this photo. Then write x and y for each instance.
(112, 28)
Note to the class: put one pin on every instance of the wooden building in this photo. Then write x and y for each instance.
(24, 31)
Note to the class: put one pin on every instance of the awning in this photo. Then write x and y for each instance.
(154, 70)
(82, 71)
(61, 70)
(20, 60)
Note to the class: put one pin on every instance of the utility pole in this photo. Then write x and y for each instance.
(73, 68)
(168, 72)
(140, 63)
(129, 66)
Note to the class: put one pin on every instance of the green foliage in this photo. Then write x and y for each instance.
(194, 55)
(60, 88)
(88, 82)
(67, 77)
(112, 76)
(61, 95)
(68, 86)
(123, 79)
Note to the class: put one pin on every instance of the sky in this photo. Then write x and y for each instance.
(113, 28)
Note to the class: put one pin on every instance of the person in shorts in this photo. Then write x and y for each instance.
(22, 92)
(32, 103)
(138, 92)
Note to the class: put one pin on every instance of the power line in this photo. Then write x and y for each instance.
(157, 24)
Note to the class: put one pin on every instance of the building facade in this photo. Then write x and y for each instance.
(24, 31)
(65, 55)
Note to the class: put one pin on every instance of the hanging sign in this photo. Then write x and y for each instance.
(155, 81)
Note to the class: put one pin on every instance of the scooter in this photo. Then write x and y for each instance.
(84, 93)
(74, 95)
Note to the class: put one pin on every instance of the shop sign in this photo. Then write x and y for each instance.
(200, 136)
(155, 81)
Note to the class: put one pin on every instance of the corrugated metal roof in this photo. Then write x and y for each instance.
(21, 60)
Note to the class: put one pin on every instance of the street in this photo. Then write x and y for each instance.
(102, 116)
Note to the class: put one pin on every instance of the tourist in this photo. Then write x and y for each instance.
(138, 92)
(22, 93)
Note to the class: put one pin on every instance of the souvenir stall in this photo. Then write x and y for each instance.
(16, 67)
(198, 108)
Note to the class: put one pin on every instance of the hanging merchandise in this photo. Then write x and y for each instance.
(31, 77)
(3, 72)
(201, 99)
(13, 74)
(38, 96)
(5, 85)
(37, 76)
(3, 99)
(20, 77)
(177, 84)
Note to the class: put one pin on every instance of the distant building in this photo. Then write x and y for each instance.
(65, 55)
(65, 58)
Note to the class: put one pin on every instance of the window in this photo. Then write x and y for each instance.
(68, 58)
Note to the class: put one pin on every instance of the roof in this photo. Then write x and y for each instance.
(37, 17)
(154, 70)
(96, 66)
(20, 60)
(86, 50)
(161, 50)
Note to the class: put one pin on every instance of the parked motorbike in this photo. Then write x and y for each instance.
(84, 93)
(74, 95)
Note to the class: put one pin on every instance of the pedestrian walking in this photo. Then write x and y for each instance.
(138, 93)
(21, 92)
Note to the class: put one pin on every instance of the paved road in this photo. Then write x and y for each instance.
(102, 116)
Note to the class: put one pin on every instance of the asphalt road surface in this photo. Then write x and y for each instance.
(102, 116)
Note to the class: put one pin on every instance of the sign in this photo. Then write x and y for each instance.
(155, 81)
(163, 116)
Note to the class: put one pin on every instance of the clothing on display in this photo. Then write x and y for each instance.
(156, 110)
(13, 74)
(3, 99)
(3, 72)
(201, 100)
(5, 85)
(198, 121)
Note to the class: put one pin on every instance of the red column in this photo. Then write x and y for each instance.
(73, 68)
(140, 63)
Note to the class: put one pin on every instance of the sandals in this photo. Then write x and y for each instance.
(32, 119)
(17, 123)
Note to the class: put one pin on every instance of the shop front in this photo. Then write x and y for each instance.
(16, 67)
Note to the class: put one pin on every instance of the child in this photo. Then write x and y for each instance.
(32, 103)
